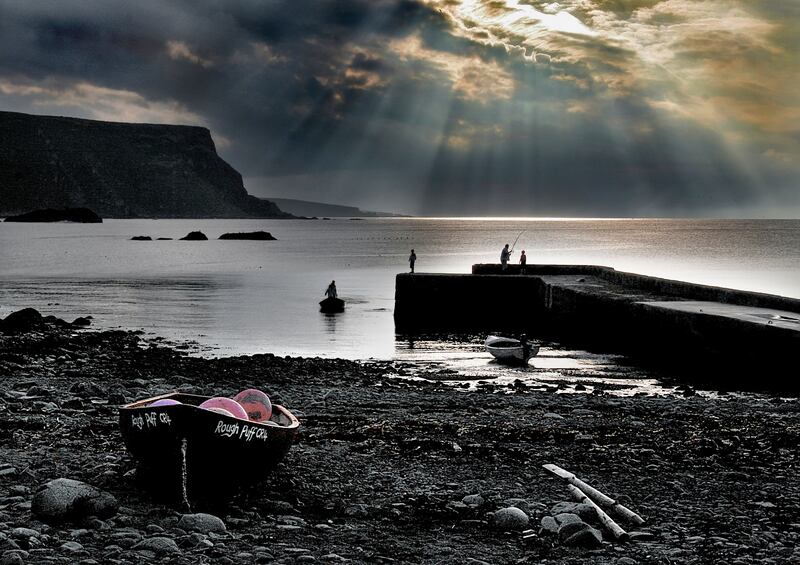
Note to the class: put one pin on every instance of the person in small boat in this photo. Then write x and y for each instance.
(330, 292)
(505, 255)
(526, 346)
(412, 259)
(523, 262)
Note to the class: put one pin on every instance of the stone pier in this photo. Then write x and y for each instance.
(722, 334)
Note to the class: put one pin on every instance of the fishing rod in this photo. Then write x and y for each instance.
(516, 240)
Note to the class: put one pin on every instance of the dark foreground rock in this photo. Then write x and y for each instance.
(63, 500)
(195, 236)
(253, 235)
(23, 320)
(391, 470)
(77, 215)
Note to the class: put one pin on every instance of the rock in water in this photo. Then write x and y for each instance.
(77, 215)
(510, 519)
(203, 523)
(67, 500)
(22, 321)
(194, 236)
(141, 238)
(253, 235)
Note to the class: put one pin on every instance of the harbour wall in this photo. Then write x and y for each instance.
(715, 334)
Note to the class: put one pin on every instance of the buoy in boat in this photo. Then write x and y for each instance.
(256, 404)
(165, 402)
(233, 407)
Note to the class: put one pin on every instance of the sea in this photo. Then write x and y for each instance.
(231, 297)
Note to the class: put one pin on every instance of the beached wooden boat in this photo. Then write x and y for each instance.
(331, 305)
(510, 351)
(187, 453)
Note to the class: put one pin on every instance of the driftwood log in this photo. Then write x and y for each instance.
(604, 518)
(600, 499)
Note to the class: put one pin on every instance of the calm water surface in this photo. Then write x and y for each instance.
(252, 297)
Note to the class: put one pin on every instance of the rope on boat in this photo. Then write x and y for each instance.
(184, 478)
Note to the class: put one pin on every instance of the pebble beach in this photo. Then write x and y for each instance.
(388, 469)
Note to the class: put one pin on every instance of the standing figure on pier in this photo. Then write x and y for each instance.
(523, 262)
(412, 259)
(505, 255)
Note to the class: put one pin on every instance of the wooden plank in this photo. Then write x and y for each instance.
(606, 502)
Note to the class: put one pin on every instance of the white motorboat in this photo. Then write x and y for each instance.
(509, 350)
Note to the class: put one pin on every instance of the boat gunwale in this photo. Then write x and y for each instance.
(294, 423)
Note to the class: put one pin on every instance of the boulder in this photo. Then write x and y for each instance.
(82, 321)
(12, 558)
(510, 519)
(549, 525)
(195, 236)
(22, 321)
(253, 235)
(87, 389)
(73, 404)
(24, 533)
(141, 238)
(203, 523)
(68, 500)
(520, 503)
(585, 511)
(158, 545)
(571, 528)
(566, 518)
(587, 537)
(473, 500)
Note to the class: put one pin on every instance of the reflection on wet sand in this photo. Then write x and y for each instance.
(466, 365)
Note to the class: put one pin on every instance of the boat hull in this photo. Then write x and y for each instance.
(331, 305)
(186, 452)
(509, 351)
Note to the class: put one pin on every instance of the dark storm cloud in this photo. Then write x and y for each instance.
(389, 103)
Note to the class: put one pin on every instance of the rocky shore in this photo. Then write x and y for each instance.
(387, 469)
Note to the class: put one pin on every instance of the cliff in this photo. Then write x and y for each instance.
(119, 170)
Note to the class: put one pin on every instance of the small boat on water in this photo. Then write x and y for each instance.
(185, 452)
(510, 351)
(331, 305)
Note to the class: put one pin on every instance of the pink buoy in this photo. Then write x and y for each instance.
(226, 404)
(165, 402)
(220, 411)
(256, 404)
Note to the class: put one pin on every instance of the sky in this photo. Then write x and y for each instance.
(444, 107)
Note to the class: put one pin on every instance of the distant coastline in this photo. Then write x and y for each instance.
(309, 209)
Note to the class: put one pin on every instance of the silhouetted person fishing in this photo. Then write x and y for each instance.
(330, 292)
(412, 259)
(505, 255)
